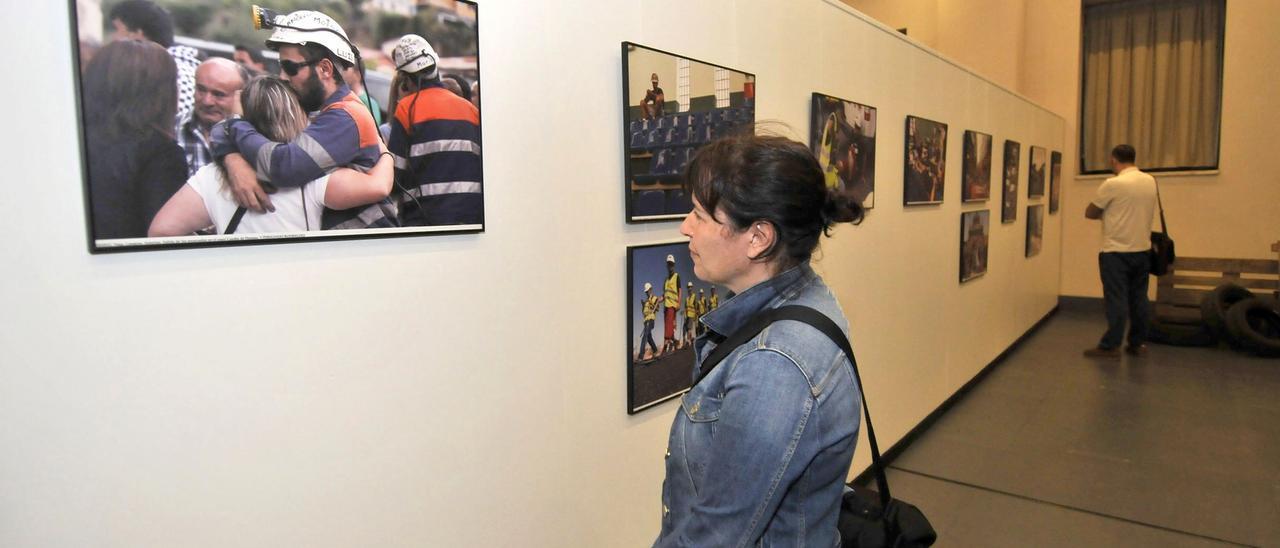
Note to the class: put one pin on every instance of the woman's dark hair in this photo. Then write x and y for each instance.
(754, 178)
(146, 16)
(462, 85)
(130, 87)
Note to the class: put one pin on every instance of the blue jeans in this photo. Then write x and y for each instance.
(1124, 289)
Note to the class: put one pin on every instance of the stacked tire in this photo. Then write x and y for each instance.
(1245, 321)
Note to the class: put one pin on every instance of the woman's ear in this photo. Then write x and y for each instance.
(762, 237)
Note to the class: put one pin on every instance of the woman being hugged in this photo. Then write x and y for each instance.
(761, 446)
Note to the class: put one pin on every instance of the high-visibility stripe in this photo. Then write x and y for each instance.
(435, 103)
(440, 189)
(315, 151)
(444, 145)
(399, 161)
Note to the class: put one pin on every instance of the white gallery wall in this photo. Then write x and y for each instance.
(459, 390)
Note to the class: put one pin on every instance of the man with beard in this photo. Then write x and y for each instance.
(217, 82)
(313, 51)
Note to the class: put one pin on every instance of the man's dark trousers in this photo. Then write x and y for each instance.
(1124, 288)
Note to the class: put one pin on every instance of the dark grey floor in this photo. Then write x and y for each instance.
(1181, 448)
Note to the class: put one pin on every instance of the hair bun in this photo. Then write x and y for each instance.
(842, 207)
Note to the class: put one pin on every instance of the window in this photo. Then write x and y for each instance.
(1152, 78)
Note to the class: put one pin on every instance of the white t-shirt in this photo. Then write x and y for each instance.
(297, 209)
(1128, 203)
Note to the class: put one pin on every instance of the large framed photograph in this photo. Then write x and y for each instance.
(975, 234)
(211, 122)
(1035, 229)
(977, 167)
(1036, 172)
(926, 161)
(1009, 201)
(1055, 181)
(664, 302)
(842, 135)
(660, 132)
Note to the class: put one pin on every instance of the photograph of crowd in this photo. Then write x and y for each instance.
(664, 303)
(975, 231)
(1009, 207)
(842, 135)
(1035, 229)
(215, 122)
(1055, 180)
(661, 132)
(977, 167)
(926, 161)
(1036, 172)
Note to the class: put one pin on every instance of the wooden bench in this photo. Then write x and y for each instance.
(1178, 293)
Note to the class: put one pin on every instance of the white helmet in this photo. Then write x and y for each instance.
(414, 55)
(304, 27)
(671, 258)
(648, 286)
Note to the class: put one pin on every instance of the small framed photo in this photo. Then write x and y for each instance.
(842, 135)
(1036, 172)
(975, 234)
(1055, 181)
(665, 300)
(1009, 203)
(671, 105)
(926, 162)
(1035, 229)
(977, 167)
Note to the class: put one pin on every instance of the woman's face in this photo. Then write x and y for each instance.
(720, 254)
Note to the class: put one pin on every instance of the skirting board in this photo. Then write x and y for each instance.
(867, 477)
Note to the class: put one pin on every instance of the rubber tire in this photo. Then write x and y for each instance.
(1174, 334)
(1254, 326)
(1214, 306)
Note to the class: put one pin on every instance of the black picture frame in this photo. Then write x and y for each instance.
(1037, 169)
(1035, 229)
(975, 242)
(1009, 181)
(842, 135)
(976, 174)
(1055, 181)
(657, 145)
(670, 373)
(924, 162)
(119, 209)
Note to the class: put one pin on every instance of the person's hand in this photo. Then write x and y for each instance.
(245, 188)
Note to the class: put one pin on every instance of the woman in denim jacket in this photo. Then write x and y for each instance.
(760, 448)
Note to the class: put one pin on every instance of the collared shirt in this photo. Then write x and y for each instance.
(1128, 204)
(760, 448)
(194, 144)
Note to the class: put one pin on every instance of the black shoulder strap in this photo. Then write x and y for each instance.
(235, 221)
(824, 324)
(1163, 229)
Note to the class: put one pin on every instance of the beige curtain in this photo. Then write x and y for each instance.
(1153, 79)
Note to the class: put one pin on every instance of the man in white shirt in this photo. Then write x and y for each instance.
(1126, 205)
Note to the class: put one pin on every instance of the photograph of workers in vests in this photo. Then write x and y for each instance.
(975, 234)
(665, 302)
(222, 122)
(842, 135)
(1009, 203)
(1036, 172)
(926, 161)
(977, 167)
(1055, 181)
(1035, 229)
(671, 106)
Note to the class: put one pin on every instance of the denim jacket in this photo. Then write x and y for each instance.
(760, 448)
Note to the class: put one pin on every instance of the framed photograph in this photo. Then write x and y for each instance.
(660, 132)
(664, 302)
(977, 167)
(975, 234)
(1009, 205)
(926, 161)
(843, 137)
(1035, 229)
(1055, 181)
(165, 166)
(1036, 172)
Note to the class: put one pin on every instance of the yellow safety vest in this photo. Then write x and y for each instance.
(651, 308)
(691, 306)
(671, 291)
(715, 302)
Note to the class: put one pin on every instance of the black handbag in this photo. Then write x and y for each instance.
(1162, 255)
(868, 519)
